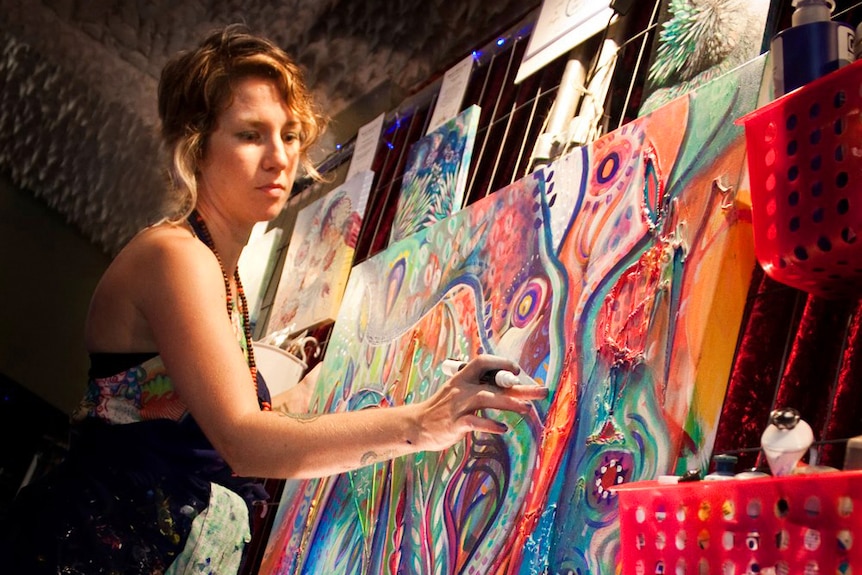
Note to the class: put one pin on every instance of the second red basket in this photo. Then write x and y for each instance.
(805, 167)
(788, 525)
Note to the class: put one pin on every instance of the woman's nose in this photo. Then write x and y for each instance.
(277, 155)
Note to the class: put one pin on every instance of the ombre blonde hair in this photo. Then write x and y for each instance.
(197, 85)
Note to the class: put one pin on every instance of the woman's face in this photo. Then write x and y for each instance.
(251, 157)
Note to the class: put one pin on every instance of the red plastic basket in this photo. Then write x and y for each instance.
(802, 524)
(805, 167)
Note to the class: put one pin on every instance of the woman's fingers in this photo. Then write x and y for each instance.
(517, 400)
(483, 424)
(476, 368)
(455, 409)
(503, 400)
(486, 394)
(529, 391)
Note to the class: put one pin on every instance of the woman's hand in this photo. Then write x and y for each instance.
(447, 416)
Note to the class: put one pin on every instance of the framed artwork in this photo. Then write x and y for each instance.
(615, 277)
(700, 41)
(561, 26)
(319, 256)
(435, 175)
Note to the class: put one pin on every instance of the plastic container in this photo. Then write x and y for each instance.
(791, 525)
(805, 168)
(725, 466)
(812, 47)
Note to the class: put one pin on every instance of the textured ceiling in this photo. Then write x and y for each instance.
(78, 81)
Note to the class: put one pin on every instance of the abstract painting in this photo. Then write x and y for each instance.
(319, 256)
(616, 277)
(659, 256)
(435, 175)
(699, 41)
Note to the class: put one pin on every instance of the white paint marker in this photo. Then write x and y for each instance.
(498, 377)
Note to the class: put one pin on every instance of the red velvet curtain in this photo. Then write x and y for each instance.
(800, 351)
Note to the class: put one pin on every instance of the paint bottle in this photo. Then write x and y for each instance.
(724, 468)
(753, 473)
(853, 454)
(812, 47)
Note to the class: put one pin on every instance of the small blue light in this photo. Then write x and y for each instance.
(337, 146)
(476, 54)
(501, 41)
(390, 146)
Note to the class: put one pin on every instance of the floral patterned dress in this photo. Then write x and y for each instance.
(142, 491)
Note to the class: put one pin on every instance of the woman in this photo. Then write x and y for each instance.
(175, 417)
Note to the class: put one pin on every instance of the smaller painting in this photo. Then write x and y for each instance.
(319, 257)
(436, 175)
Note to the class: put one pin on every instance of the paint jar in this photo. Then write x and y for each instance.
(853, 453)
(753, 473)
(725, 466)
(812, 47)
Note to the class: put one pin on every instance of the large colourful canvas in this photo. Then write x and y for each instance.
(482, 280)
(319, 256)
(616, 277)
(435, 175)
(700, 41)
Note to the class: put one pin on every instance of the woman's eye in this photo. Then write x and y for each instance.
(248, 136)
(290, 137)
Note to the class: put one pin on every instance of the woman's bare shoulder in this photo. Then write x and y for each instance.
(153, 261)
(162, 256)
(158, 240)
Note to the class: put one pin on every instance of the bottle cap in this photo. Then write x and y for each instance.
(725, 464)
(808, 11)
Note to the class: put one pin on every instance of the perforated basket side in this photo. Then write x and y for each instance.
(805, 167)
(743, 526)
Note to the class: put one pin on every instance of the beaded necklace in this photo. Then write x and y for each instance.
(202, 232)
